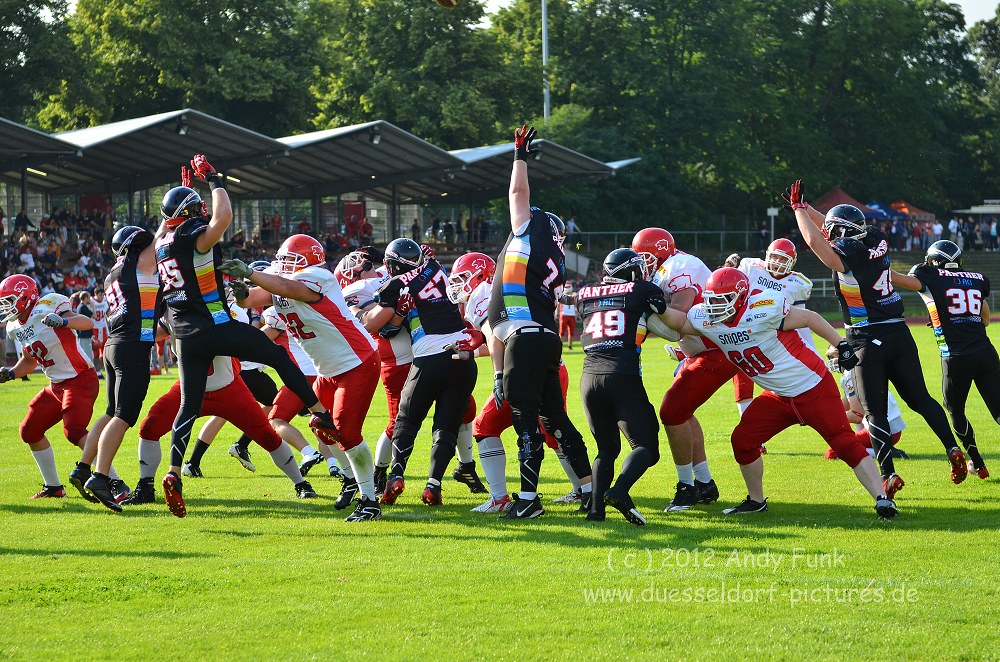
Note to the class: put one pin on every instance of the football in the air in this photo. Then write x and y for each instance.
(447, 4)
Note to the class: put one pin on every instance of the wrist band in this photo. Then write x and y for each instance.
(215, 182)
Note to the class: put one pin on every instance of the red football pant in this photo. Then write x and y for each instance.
(70, 401)
(491, 422)
(819, 408)
(698, 378)
(567, 324)
(743, 387)
(470, 411)
(235, 403)
(393, 379)
(286, 404)
(348, 396)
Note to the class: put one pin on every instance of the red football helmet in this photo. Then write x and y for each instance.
(18, 295)
(468, 272)
(726, 292)
(351, 266)
(780, 257)
(655, 245)
(298, 252)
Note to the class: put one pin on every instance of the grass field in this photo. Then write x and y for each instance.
(253, 573)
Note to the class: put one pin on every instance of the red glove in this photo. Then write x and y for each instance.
(795, 196)
(428, 252)
(522, 142)
(475, 340)
(186, 176)
(202, 168)
(404, 305)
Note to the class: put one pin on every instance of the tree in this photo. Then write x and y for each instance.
(32, 46)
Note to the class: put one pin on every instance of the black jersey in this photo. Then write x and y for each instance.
(954, 300)
(865, 288)
(192, 284)
(533, 275)
(131, 299)
(614, 324)
(433, 315)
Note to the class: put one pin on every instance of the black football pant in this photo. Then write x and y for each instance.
(957, 376)
(887, 353)
(531, 389)
(126, 369)
(440, 381)
(617, 404)
(194, 360)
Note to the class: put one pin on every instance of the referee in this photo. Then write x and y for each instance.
(527, 348)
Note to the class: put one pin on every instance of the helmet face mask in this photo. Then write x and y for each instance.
(18, 295)
(623, 265)
(779, 260)
(468, 273)
(944, 254)
(655, 245)
(725, 295)
(298, 252)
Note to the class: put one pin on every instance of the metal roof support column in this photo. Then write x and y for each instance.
(394, 213)
(131, 205)
(24, 194)
(316, 204)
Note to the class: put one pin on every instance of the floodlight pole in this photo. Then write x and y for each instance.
(547, 104)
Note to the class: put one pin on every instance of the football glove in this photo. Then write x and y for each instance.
(428, 252)
(236, 268)
(732, 261)
(186, 176)
(6, 374)
(239, 289)
(404, 305)
(202, 168)
(522, 142)
(846, 358)
(794, 196)
(498, 389)
(55, 321)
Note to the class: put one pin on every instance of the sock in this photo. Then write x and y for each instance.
(701, 472)
(587, 488)
(285, 460)
(199, 451)
(46, 461)
(113, 474)
(150, 455)
(527, 496)
(343, 459)
(308, 451)
(243, 442)
(463, 447)
(331, 463)
(568, 468)
(383, 450)
(360, 460)
(494, 460)
(742, 405)
(635, 465)
(685, 473)
(433, 482)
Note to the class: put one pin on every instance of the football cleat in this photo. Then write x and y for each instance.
(466, 474)
(142, 494)
(348, 491)
(192, 470)
(336, 471)
(595, 517)
(585, 502)
(981, 472)
(622, 502)
(707, 492)
(310, 462)
(78, 479)
(685, 497)
(575, 496)
(492, 505)
(324, 428)
(394, 486)
(119, 489)
(958, 469)
(899, 454)
(50, 492)
(892, 485)
(431, 495)
(830, 454)
(367, 510)
(886, 508)
(524, 509)
(172, 488)
(243, 455)
(380, 478)
(748, 506)
(101, 489)
(304, 490)
(763, 449)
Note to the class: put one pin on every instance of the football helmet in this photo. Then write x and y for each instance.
(780, 258)
(130, 236)
(845, 222)
(351, 266)
(655, 246)
(558, 227)
(260, 265)
(179, 204)
(18, 296)
(944, 254)
(298, 252)
(726, 292)
(624, 265)
(468, 272)
(402, 255)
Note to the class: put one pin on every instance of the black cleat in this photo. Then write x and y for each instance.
(685, 497)
(899, 454)
(100, 487)
(347, 494)
(367, 510)
(381, 475)
(707, 492)
(588, 498)
(304, 490)
(748, 506)
(310, 462)
(465, 473)
(191, 470)
(595, 517)
(525, 509)
(120, 489)
(143, 493)
(886, 508)
(243, 455)
(622, 502)
(78, 479)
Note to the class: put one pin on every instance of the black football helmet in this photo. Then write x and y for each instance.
(944, 254)
(624, 265)
(260, 265)
(558, 227)
(130, 236)
(402, 255)
(181, 203)
(845, 222)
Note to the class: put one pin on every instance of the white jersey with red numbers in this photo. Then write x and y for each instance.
(794, 286)
(397, 350)
(222, 373)
(774, 359)
(327, 330)
(478, 304)
(679, 272)
(270, 318)
(57, 351)
(240, 314)
(100, 317)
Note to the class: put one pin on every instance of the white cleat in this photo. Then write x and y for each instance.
(494, 506)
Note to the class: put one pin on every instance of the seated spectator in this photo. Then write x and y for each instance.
(304, 227)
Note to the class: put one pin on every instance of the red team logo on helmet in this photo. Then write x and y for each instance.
(18, 295)
(655, 245)
(298, 252)
(468, 272)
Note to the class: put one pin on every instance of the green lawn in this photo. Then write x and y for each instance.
(253, 573)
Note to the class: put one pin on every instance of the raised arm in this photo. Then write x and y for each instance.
(222, 210)
(810, 224)
(519, 194)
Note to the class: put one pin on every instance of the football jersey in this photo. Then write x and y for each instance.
(270, 318)
(131, 297)
(896, 423)
(327, 331)
(434, 321)
(532, 272)
(865, 287)
(954, 300)
(57, 351)
(100, 310)
(392, 351)
(774, 359)
(679, 272)
(192, 284)
(222, 373)
(478, 306)
(614, 325)
(794, 287)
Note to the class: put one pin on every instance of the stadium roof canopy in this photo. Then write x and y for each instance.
(22, 147)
